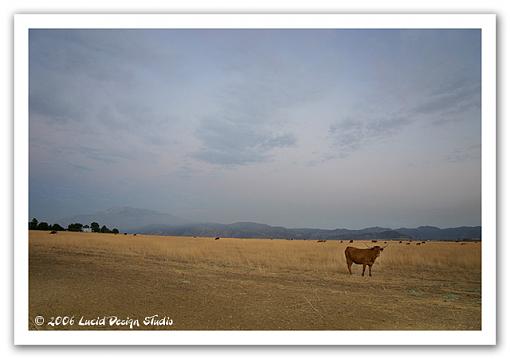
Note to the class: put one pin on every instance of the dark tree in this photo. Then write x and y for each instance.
(57, 227)
(33, 224)
(115, 231)
(75, 227)
(43, 226)
(105, 229)
(95, 227)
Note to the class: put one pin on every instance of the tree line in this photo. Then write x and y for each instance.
(35, 225)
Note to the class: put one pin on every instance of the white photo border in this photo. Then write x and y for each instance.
(24, 22)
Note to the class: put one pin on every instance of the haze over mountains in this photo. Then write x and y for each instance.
(135, 220)
(125, 218)
(258, 230)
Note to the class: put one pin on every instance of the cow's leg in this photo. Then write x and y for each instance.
(349, 265)
(370, 270)
(364, 266)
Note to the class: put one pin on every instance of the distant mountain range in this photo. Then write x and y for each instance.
(257, 230)
(124, 218)
(135, 220)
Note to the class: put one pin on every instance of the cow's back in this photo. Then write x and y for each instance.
(358, 255)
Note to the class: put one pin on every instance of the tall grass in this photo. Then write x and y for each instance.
(262, 254)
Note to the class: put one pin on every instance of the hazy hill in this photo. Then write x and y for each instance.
(124, 218)
(429, 232)
(128, 219)
(257, 230)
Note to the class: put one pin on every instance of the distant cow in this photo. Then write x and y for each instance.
(321, 240)
(399, 241)
(53, 232)
(374, 241)
(365, 256)
(418, 243)
(351, 241)
(216, 238)
(408, 243)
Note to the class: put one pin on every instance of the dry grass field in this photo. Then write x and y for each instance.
(202, 283)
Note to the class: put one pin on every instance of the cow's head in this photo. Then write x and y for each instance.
(378, 249)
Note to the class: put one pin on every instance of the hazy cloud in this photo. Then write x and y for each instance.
(472, 152)
(350, 134)
(454, 97)
(152, 118)
(448, 102)
(229, 142)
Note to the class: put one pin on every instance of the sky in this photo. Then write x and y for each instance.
(299, 128)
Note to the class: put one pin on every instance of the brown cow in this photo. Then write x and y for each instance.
(366, 257)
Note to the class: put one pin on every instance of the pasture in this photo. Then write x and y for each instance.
(260, 284)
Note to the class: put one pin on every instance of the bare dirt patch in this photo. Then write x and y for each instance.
(252, 284)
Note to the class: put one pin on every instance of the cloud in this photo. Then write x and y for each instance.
(229, 142)
(467, 153)
(79, 167)
(101, 155)
(452, 98)
(106, 97)
(250, 117)
(56, 108)
(154, 117)
(448, 102)
(351, 134)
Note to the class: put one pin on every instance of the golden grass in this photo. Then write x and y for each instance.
(267, 284)
(266, 254)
